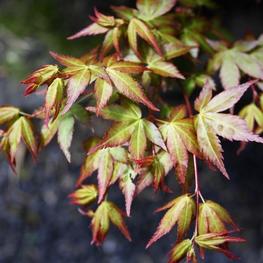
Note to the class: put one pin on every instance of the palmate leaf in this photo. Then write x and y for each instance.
(218, 242)
(8, 113)
(210, 123)
(80, 76)
(158, 166)
(232, 61)
(65, 134)
(54, 97)
(101, 25)
(107, 213)
(138, 27)
(213, 218)
(84, 195)
(22, 128)
(253, 116)
(161, 67)
(150, 9)
(130, 127)
(128, 187)
(105, 161)
(39, 77)
(180, 251)
(180, 137)
(127, 86)
(180, 211)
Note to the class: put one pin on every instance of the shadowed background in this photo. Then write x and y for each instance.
(37, 223)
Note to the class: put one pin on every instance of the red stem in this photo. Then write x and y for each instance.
(197, 189)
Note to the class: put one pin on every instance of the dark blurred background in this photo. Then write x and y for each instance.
(37, 223)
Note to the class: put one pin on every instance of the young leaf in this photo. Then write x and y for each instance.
(54, 97)
(150, 9)
(180, 251)
(232, 61)
(137, 143)
(65, 134)
(252, 115)
(160, 67)
(218, 242)
(127, 86)
(213, 218)
(107, 212)
(8, 113)
(103, 92)
(210, 123)
(105, 169)
(39, 77)
(179, 133)
(180, 211)
(128, 188)
(131, 128)
(67, 61)
(137, 26)
(76, 86)
(28, 135)
(84, 195)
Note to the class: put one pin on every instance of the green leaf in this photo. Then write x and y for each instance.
(137, 143)
(210, 214)
(8, 113)
(180, 135)
(125, 112)
(107, 212)
(127, 86)
(180, 250)
(128, 188)
(85, 195)
(160, 67)
(209, 123)
(181, 211)
(105, 169)
(76, 86)
(135, 27)
(54, 97)
(28, 135)
(103, 92)
(150, 9)
(153, 134)
(65, 134)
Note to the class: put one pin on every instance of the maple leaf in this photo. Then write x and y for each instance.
(231, 61)
(101, 25)
(218, 242)
(180, 251)
(210, 122)
(65, 134)
(127, 186)
(138, 27)
(129, 127)
(80, 76)
(107, 212)
(84, 195)
(8, 113)
(104, 161)
(180, 211)
(161, 67)
(151, 9)
(39, 77)
(54, 97)
(213, 218)
(180, 137)
(253, 115)
(20, 129)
